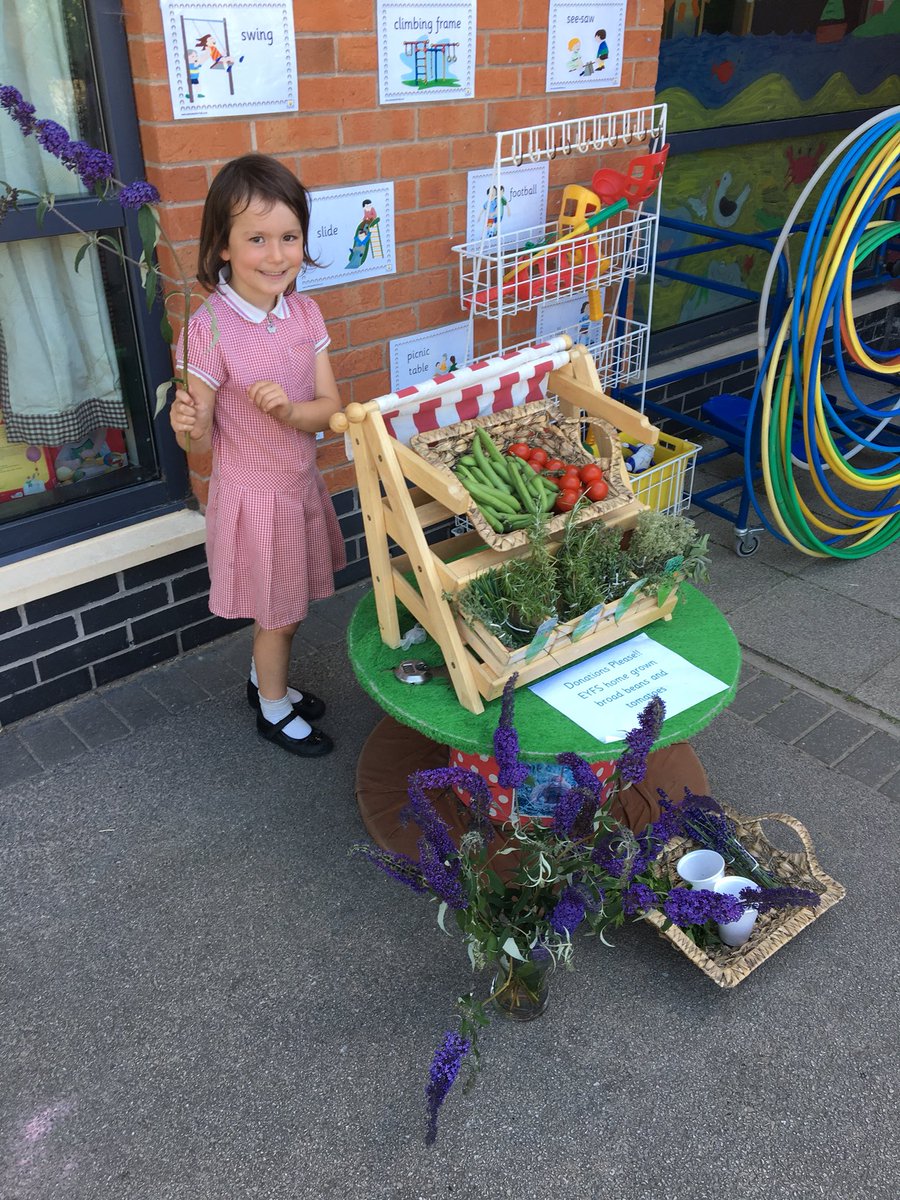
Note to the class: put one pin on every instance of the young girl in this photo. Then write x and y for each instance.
(260, 388)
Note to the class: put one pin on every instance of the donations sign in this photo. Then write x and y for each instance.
(604, 693)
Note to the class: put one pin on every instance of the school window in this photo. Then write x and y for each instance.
(759, 92)
(78, 358)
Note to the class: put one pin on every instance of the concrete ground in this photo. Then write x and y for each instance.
(205, 998)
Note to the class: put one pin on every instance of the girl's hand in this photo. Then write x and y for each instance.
(183, 413)
(272, 399)
(192, 411)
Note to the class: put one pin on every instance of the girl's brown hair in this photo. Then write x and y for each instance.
(251, 177)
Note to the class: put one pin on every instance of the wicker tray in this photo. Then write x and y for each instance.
(539, 424)
(728, 966)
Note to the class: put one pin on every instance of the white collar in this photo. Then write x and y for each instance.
(248, 310)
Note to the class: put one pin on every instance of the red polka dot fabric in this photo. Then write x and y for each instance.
(505, 804)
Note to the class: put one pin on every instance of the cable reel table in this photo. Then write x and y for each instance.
(426, 725)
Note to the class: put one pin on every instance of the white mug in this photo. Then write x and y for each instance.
(735, 933)
(701, 868)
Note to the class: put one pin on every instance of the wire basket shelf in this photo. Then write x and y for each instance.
(514, 273)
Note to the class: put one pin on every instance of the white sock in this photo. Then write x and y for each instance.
(277, 710)
(293, 694)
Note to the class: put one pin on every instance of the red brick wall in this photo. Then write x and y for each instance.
(342, 136)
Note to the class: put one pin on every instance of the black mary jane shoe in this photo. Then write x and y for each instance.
(309, 707)
(314, 745)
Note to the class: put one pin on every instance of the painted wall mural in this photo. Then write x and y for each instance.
(736, 62)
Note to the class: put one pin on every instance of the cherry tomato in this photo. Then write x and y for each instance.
(590, 473)
(566, 500)
(598, 490)
(553, 464)
(538, 456)
(571, 474)
(520, 450)
(535, 466)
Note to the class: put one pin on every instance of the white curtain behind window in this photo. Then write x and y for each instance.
(58, 354)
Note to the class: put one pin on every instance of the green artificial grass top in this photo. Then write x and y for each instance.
(697, 631)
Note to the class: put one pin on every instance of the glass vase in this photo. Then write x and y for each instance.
(520, 990)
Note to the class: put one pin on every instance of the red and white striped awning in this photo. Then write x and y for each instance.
(489, 386)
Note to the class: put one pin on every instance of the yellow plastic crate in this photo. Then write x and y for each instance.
(667, 486)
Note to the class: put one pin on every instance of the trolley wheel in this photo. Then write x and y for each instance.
(745, 544)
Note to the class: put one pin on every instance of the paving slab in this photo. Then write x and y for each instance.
(173, 686)
(891, 788)
(830, 639)
(874, 761)
(794, 717)
(134, 704)
(760, 696)
(870, 581)
(16, 760)
(882, 690)
(94, 722)
(212, 670)
(834, 738)
(50, 740)
(735, 581)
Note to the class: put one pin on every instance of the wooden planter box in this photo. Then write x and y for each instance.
(497, 662)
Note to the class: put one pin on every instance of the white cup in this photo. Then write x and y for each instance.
(735, 933)
(701, 868)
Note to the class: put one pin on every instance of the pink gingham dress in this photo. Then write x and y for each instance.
(273, 542)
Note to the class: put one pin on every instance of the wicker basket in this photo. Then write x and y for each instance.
(538, 424)
(725, 965)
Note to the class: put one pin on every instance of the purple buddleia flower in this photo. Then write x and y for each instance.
(569, 911)
(582, 772)
(92, 165)
(625, 855)
(646, 850)
(10, 97)
(53, 138)
(687, 906)
(667, 826)
(398, 866)
(425, 815)
(510, 773)
(18, 108)
(442, 1073)
(638, 898)
(632, 765)
(441, 876)
(779, 897)
(442, 778)
(568, 809)
(137, 194)
(606, 855)
(592, 894)
(590, 788)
